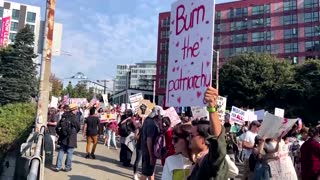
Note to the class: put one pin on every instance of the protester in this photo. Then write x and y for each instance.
(208, 143)
(149, 133)
(111, 128)
(262, 153)
(67, 129)
(90, 129)
(178, 166)
(126, 129)
(310, 155)
(231, 139)
(168, 139)
(248, 145)
(138, 148)
(53, 119)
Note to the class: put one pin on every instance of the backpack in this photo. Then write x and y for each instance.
(64, 127)
(124, 129)
(159, 149)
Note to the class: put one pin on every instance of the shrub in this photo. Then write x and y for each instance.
(16, 121)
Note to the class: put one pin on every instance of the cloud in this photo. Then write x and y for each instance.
(100, 41)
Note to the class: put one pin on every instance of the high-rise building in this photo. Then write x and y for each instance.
(286, 28)
(137, 76)
(15, 16)
(122, 80)
(142, 76)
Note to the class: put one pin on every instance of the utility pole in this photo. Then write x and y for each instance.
(42, 110)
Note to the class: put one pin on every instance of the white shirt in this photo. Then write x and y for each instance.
(176, 166)
(248, 137)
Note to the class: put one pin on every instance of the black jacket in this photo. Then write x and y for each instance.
(70, 141)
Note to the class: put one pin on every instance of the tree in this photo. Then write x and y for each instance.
(69, 90)
(305, 97)
(254, 80)
(57, 86)
(18, 71)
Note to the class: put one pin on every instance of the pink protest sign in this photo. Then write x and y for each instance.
(4, 35)
(190, 52)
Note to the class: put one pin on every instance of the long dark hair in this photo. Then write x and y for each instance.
(183, 131)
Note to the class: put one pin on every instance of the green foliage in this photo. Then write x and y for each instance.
(79, 91)
(16, 121)
(56, 85)
(262, 81)
(18, 82)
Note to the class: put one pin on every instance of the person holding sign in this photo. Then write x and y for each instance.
(207, 141)
(248, 145)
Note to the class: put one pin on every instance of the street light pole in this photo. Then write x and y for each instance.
(42, 110)
(217, 70)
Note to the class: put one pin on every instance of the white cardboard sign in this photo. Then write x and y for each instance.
(199, 112)
(172, 114)
(54, 102)
(237, 115)
(260, 114)
(274, 126)
(190, 52)
(222, 105)
(105, 100)
(279, 112)
(134, 99)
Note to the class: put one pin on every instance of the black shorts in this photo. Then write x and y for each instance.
(147, 168)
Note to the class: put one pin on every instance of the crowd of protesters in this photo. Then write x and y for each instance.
(194, 149)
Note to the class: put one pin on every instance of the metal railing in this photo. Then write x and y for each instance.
(37, 160)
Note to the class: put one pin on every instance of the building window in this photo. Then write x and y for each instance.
(216, 40)
(31, 27)
(239, 12)
(164, 46)
(290, 19)
(239, 38)
(1, 11)
(14, 26)
(218, 14)
(31, 17)
(260, 49)
(165, 22)
(262, 22)
(312, 46)
(217, 27)
(240, 50)
(15, 14)
(261, 36)
(311, 3)
(263, 9)
(164, 58)
(312, 31)
(164, 34)
(291, 48)
(311, 17)
(240, 25)
(289, 5)
(12, 37)
(290, 33)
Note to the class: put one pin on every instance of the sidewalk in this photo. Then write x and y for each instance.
(106, 166)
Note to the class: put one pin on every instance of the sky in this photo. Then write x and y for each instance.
(99, 34)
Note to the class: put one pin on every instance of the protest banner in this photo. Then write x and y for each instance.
(237, 115)
(190, 52)
(172, 114)
(134, 100)
(250, 116)
(222, 105)
(78, 101)
(105, 100)
(274, 126)
(279, 112)
(54, 102)
(124, 107)
(199, 112)
(259, 114)
(145, 108)
(105, 117)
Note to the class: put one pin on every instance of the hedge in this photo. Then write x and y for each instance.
(16, 121)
